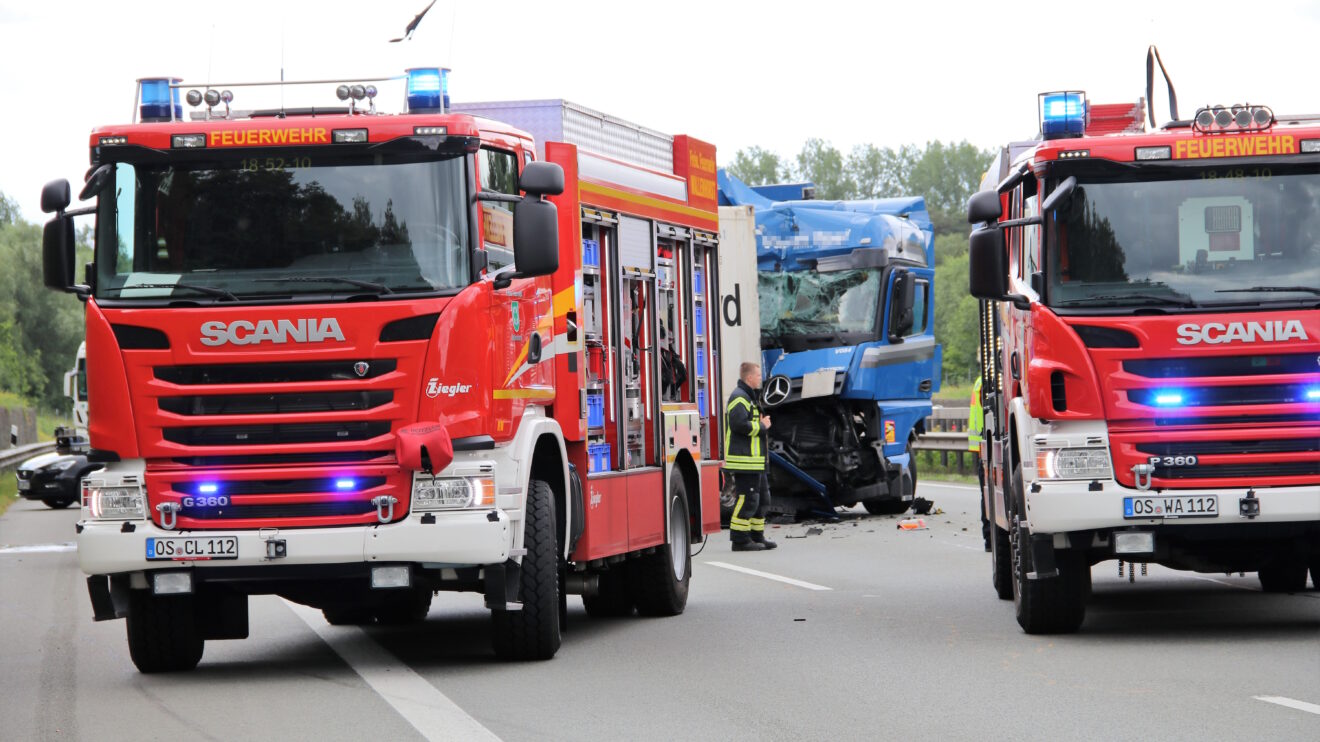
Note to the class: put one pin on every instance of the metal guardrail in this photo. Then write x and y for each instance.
(11, 457)
(946, 430)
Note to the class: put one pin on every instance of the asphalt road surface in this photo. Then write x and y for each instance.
(850, 630)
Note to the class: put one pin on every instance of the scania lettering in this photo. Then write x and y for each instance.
(352, 358)
(1214, 333)
(1152, 384)
(244, 332)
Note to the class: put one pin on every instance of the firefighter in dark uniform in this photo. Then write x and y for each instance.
(744, 456)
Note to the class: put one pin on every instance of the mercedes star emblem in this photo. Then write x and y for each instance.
(776, 391)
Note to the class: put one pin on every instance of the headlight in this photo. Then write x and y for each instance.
(451, 493)
(61, 465)
(115, 503)
(1073, 463)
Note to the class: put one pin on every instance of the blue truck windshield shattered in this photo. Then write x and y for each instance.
(811, 303)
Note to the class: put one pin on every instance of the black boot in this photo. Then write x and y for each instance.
(745, 543)
(758, 537)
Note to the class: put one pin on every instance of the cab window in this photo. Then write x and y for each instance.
(499, 173)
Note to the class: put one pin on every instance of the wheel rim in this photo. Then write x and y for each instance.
(678, 552)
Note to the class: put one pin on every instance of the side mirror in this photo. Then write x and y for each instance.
(984, 206)
(1061, 194)
(536, 236)
(57, 242)
(988, 264)
(68, 382)
(901, 316)
(55, 196)
(542, 179)
(97, 180)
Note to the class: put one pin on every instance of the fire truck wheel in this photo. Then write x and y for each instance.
(660, 579)
(1002, 561)
(533, 632)
(613, 600)
(1053, 605)
(407, 607)
(163, 635)
(1283, 577)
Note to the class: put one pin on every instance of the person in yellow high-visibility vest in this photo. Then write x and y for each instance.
(744, 456)
(975, 437)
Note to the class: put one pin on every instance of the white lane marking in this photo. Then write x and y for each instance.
(39, 548)
(964, 546)
(969, 488)
(1291, 703)
(1203, 578)
(769, 576)
(423, 706)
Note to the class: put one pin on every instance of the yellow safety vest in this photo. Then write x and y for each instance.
(975, 419)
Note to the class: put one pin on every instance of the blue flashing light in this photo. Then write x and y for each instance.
(157, 101)
(208, 489)
(1169, 399)
(1062, 114)
(428, 90)
(345, 483)
(1313, 395)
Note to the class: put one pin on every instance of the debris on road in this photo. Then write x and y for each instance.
(913, 524)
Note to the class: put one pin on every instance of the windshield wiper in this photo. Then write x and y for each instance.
(1157, 298)
(1301, 289)
(209, 290)
(379, 288)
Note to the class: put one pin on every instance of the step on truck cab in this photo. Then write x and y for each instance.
(352, 358)
(1152, 343)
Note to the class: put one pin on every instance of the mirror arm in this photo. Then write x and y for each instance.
(1023, 222)
(84, 211)
(496, 196)
(1018, 301)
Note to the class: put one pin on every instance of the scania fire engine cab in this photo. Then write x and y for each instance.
(352, 358)
(1151, 336)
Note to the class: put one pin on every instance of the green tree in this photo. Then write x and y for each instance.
(956, 313)
(947, 175)
(757, 166)
(881, 172)
(39, 329)
(821, 163)
(9, 213)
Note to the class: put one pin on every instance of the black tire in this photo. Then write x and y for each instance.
(1001, 559)
(1054, 605)
(614, 600)
(355, 615)
(885, 506)
(659, 580)
(163, 632)
(58, 503)
(533, 633)
(1283, 577)
(407, 607)
(1315, 573)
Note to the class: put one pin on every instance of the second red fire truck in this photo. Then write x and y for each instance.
(351, 359)
(1150, 324)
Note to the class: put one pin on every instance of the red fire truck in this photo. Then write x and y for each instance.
(1150, 324)
(352, 359)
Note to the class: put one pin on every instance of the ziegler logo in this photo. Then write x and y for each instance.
(243, 332)
(1213, 333)
(434, 388)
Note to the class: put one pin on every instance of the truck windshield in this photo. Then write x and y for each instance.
(807, 303)
(1218, 236)
(252, 226)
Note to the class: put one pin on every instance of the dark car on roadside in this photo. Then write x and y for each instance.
(54, 478)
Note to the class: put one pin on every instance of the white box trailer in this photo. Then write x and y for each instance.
(740, 313)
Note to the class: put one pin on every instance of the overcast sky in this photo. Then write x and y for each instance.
(733, 73)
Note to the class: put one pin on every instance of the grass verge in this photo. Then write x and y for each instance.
(8, 489)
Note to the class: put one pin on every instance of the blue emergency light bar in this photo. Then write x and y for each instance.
(1169, 399)
(1063, 114)
(345, 483)
(157, 100)
(428, 90)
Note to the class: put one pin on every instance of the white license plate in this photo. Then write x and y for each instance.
(1201, 506)
(25, 484)
(192, 549)
(818, 383)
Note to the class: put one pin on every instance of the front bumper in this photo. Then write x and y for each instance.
(1064, 506)
(453, 539)
(48, 486)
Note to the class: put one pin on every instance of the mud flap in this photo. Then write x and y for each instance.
(109, 597)
(1042, 557)
(501, 586)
